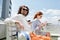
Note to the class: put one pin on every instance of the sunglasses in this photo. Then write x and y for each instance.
(25, 9)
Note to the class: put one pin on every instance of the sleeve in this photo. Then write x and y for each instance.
(38, 23)
(22, 19)
(34, 25)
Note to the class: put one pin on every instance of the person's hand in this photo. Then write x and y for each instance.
(44, 24)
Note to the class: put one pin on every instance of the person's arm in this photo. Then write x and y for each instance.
(33, 26)
(23, 21)
(19, 25)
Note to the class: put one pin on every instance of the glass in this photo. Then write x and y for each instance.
(25, 9)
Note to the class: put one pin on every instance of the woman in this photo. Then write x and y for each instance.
(23, 27)
(20, 18)
(37, 25)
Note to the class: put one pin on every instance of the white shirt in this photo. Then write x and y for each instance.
(21, 18)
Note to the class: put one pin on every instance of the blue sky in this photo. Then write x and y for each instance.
(50, 8)
(0, 7)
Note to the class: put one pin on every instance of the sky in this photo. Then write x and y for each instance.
(0, 7)
(50, 8)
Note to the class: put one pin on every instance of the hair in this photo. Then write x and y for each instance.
(19, 11)
(38, 14)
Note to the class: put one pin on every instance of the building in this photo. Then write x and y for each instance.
(5, 12)
(6, 9)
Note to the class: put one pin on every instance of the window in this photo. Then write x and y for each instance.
(9, 14)
(9, 7)
(10, 2)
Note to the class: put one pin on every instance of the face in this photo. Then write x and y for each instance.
(39, 16)
(24, 11)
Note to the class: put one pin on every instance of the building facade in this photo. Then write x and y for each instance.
(6, 9)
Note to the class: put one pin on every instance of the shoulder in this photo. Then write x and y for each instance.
(17, 16)
(35, 21)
